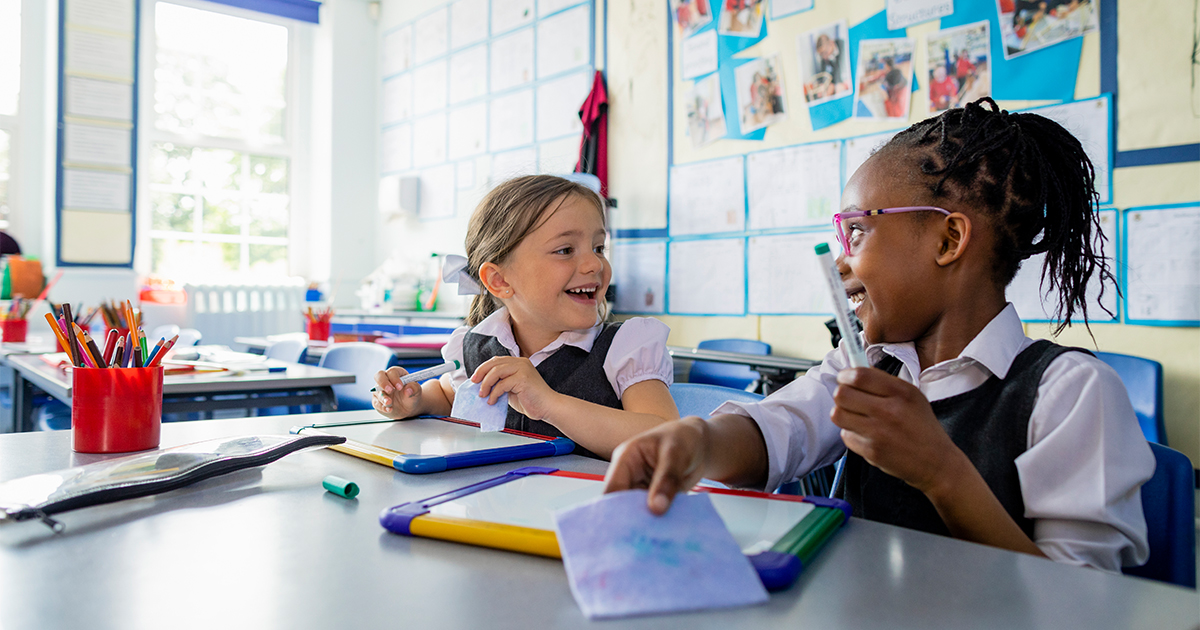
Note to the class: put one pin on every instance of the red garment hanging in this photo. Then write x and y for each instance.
(593, 148)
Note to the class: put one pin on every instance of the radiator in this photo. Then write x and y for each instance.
(223, 312)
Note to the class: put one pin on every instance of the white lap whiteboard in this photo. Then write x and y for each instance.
(707, 197)
(640, 274)
(783, 274)
(794, 186)
(707, 277)
(1089, 121)
(1162, 254)
(1035, 304)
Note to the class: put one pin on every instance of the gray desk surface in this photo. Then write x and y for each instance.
(55, 382)
(268, 548)
(34, 344)
(752, 360)
(317, 349)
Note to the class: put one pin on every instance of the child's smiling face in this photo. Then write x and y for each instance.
(558, 273)
(891, 275)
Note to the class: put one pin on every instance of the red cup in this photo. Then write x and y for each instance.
(14, 330)
(116, 410)
(318, 331)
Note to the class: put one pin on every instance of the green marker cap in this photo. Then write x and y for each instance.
(821, 248)
(340, 487)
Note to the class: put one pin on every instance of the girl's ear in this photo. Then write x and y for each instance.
(492, 278)
(955, 236)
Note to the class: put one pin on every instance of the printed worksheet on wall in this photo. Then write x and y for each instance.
(860, 148)
(640, 275)
(510, 14)
(396, 148)
(468, 74)
(397, 98)
(468, 130)
(429, 87)
(429, 140)
(707, 277)
(397, 50)
(1162, 251)
(558, 104)
(1088, 121)
(707, 197)
(1033, 303)
(431, 36)
(794, 186)
(510, 122)
(512, 60)
(564, 41)
(784, 276)
(468, 22)
(95, 190)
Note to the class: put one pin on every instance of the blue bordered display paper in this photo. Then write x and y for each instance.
(430, 445)
(515, 512)
(1174, 262)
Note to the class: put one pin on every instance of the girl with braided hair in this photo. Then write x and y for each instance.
(964, 426)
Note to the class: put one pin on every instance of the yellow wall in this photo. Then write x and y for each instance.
(1154, 72)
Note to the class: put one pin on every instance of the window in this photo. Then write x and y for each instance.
(220, 155)
(10, 90)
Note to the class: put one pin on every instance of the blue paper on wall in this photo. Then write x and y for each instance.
(469, 406)
(1048, 74)
(621, 560)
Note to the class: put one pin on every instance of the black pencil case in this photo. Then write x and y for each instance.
(39, 496)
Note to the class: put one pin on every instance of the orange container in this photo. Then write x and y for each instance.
(14, 330)
(116, 410)
(318, 331)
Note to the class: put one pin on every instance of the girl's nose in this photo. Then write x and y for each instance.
(843, 267)
(591, 263)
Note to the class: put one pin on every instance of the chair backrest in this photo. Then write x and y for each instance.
(1143, 379)
(361, 359)
(696, 399)
(1169, 503)
(288, 350)
(727, 374)
(189, 337)
(166, 331)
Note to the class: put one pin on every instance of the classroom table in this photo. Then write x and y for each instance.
(776, 370)
(270, 548)
(186, 393)
(316, 349)
(33, 344)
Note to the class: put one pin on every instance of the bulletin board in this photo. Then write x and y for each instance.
(478, 91)
(97, 132)
(772, 107)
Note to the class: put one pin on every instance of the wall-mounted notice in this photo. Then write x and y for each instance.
(509, 14)
(784, 275)
(512, 60)
(90, 144)
(397, 50)
(548, 7)
(468, 74)
(396, 145)
(468, 130)
(468, 22)
(397, 98)
(563, 42)
(512, 164)
(558, 104)
(707, 277)
(99, 55)
(437, 192)
(510, 122)
(95, 238)
(1089, 121)
(558, 156)
(94, 98)
(431, 36)
(1162, 254)
(109, 15)
(95, 190)
(640, 275)
(794, 186)
(429, 87)
(707, 197)
(1034, 303)
(860, 148)
(904, 13)
(429, 140)
(698, 55)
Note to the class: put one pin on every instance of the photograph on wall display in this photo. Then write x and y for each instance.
(958, 66)
(884, 78)
(705, 111)
(690, 15)
(760, 98)
(1029, 25)
(825, 62)
(741, 18)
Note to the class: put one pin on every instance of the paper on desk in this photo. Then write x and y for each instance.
(469, 406)
(621, 560)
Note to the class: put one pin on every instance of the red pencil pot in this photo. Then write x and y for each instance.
(318, 331)
(116, 410)
(14, 330)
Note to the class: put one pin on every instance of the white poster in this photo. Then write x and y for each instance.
(468, 130)
(510, 164)
(429, 88)
(437, 193)
(396, 148)
(640, 275)
(100, 54)
(707, 197)
(429, 140)
(558, 156)
(397, 98)
(397, 50)
(468, 22)
(510, 14)
(510, 121)
(707, 277)
(558, 104)
(905, 13)
(468, 74)
(95, 190)
(431, 36)
(512, 60)
(698, 54)
(1034, 303)
(87, 144)
(108, 15)
(564, 41)
(860, 148)
(99, 99)
(785, 277)
(1088, 120)
(794, 186)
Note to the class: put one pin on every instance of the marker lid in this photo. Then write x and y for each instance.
(821, 248)
(340, 487)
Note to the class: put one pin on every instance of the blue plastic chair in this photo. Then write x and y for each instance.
(727, 374)
(1168, 501)
(362, 360)
(1143, 379)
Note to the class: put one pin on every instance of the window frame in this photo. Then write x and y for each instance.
(295, 135)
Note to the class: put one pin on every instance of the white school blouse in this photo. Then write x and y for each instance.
(1086, 461)
(638, 351)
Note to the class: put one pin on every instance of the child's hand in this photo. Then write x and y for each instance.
(394, 399)
(890, 424)
(665, 460)
(527, 391)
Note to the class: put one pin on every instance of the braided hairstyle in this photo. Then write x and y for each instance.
(1033, 182)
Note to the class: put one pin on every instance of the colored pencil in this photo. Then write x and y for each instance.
(57, 331)
(110, 346)
(96, 354)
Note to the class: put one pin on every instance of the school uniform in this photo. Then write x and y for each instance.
(596, 364)
(1050, 429)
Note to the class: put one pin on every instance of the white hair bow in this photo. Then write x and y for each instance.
(454, 270)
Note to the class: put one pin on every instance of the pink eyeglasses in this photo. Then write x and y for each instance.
(837, 219)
